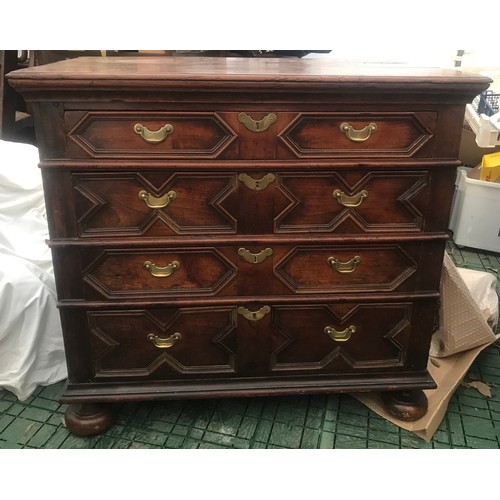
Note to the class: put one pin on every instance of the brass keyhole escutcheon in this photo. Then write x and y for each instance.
(256, 184)
(358, 135)
(254, 315)
(257, 125)
(164, 343)
(344, 267)
(340, 336)
(255, 258)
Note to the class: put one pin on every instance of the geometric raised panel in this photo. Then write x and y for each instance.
(380, 340)
(380, 267)
(393, 202)
(122, 273)
(111, 134)
(120, 347)
(319, 135)
(108, 204)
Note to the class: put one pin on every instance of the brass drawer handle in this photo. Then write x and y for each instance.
(161, 272)
(257, 184)
(344, 267)
(356, 135)
(155, 202)
(257, 125)
(342, 336)
(350, 201)
(254, 315)
(164, 343)
(154, 136)
(255, 258)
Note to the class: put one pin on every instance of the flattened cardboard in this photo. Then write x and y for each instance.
(448, 374)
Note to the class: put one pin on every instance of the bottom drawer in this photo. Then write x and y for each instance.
(249, 340)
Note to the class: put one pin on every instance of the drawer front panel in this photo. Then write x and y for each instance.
(152, 134)
(149, 204)
(339, 268)
(348, 337)
(160, 273)
(355, 202)
(261, 134)
(325, 338)
(162, 343)
(247, 270)
(154, 204)
(332, 135)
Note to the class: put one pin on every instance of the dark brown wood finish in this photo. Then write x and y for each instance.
(242, 227)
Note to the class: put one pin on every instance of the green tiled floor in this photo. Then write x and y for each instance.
(331, 421)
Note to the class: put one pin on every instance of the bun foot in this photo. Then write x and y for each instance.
(405, 405)
(88, 419)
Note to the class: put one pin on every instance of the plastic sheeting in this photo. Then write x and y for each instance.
(31, 345)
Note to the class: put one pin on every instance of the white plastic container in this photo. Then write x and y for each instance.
(475, 219)
(486, 128)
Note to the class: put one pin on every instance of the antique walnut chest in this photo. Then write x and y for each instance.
(245, 227)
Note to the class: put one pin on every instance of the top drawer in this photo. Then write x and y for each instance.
(267, 134)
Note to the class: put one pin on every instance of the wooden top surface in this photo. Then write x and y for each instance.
(101, 72)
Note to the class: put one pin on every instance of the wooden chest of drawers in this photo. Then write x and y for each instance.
(240, 227)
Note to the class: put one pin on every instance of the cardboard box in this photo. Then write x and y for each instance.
(459, 342)
(468, 313)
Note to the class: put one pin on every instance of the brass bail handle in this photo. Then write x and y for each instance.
(254, 315)
(344, 267)
(161, 272)
(350, 201)
(257, 125)
(164, 343)
(358, 135)
(340, 336)
(157, 202)
(154, 136)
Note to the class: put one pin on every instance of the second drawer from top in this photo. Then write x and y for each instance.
(166, 203)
